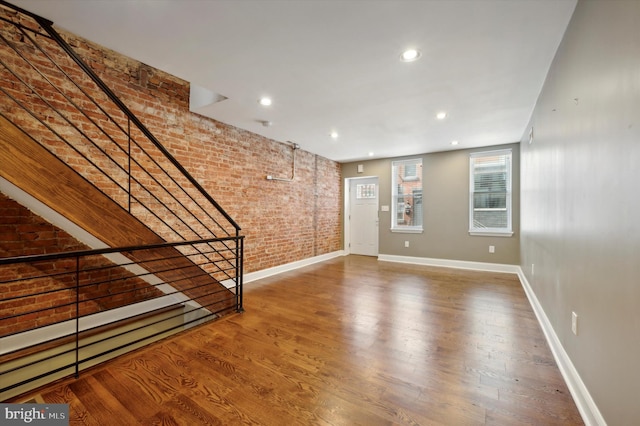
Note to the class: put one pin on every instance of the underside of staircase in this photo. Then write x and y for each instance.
(71, 144)
(36, 171)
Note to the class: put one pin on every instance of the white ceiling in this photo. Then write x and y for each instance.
(334, 65)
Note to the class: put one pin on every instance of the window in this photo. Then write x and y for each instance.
(364, 191)
(490, 193)
(406, 181)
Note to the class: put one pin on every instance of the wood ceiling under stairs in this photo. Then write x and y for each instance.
(36, 171)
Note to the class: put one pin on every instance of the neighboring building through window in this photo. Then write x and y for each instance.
(406, 181)
(490, 192)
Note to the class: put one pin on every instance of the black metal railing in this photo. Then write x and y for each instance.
(83, 122)
(68, 311)
(51, 94)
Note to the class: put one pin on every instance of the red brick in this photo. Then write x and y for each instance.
(283, 222)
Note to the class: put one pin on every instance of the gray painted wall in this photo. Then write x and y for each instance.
(581, 203)
(446, 210)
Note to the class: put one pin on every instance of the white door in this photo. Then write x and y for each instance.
(363, 216)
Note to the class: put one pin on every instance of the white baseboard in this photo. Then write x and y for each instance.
(587, 407)
(585, 403)
(264, 273)
(446, 263)
(253, 276)
(581, 396)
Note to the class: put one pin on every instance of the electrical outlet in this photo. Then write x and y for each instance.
(574, 323)
(406, 243)
(492, 249)
(533, 270)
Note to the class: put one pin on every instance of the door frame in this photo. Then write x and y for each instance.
(347, 210)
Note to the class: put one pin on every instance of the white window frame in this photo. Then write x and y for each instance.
(395, 226)
(498, 232)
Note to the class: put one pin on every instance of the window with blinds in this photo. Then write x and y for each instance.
(490, 192)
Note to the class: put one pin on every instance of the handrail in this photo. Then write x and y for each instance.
(48, 97)
(167, 198)
(91, 307)
(57, 309)
(54, 34)
(163, 203)
(100, 251)
(47, 25)
(73, 121)
(23, 11)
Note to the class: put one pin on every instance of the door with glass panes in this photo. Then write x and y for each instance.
(363, 216)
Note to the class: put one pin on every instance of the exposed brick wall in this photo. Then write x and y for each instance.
(24, 233)
(283, 222)
(277, 218)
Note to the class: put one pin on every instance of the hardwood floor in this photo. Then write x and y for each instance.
(350, 341)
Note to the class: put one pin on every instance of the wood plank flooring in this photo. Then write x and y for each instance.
(350, 341)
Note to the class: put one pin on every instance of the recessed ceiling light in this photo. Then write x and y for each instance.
(410, 55)
(454, 143)
(265, 101)
(334, 135)
(441, 115)
(371, 154)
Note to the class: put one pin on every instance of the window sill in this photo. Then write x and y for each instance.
(408, 230)
(491, 233)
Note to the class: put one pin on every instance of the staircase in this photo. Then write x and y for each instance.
(45, 177)
(69, 142)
